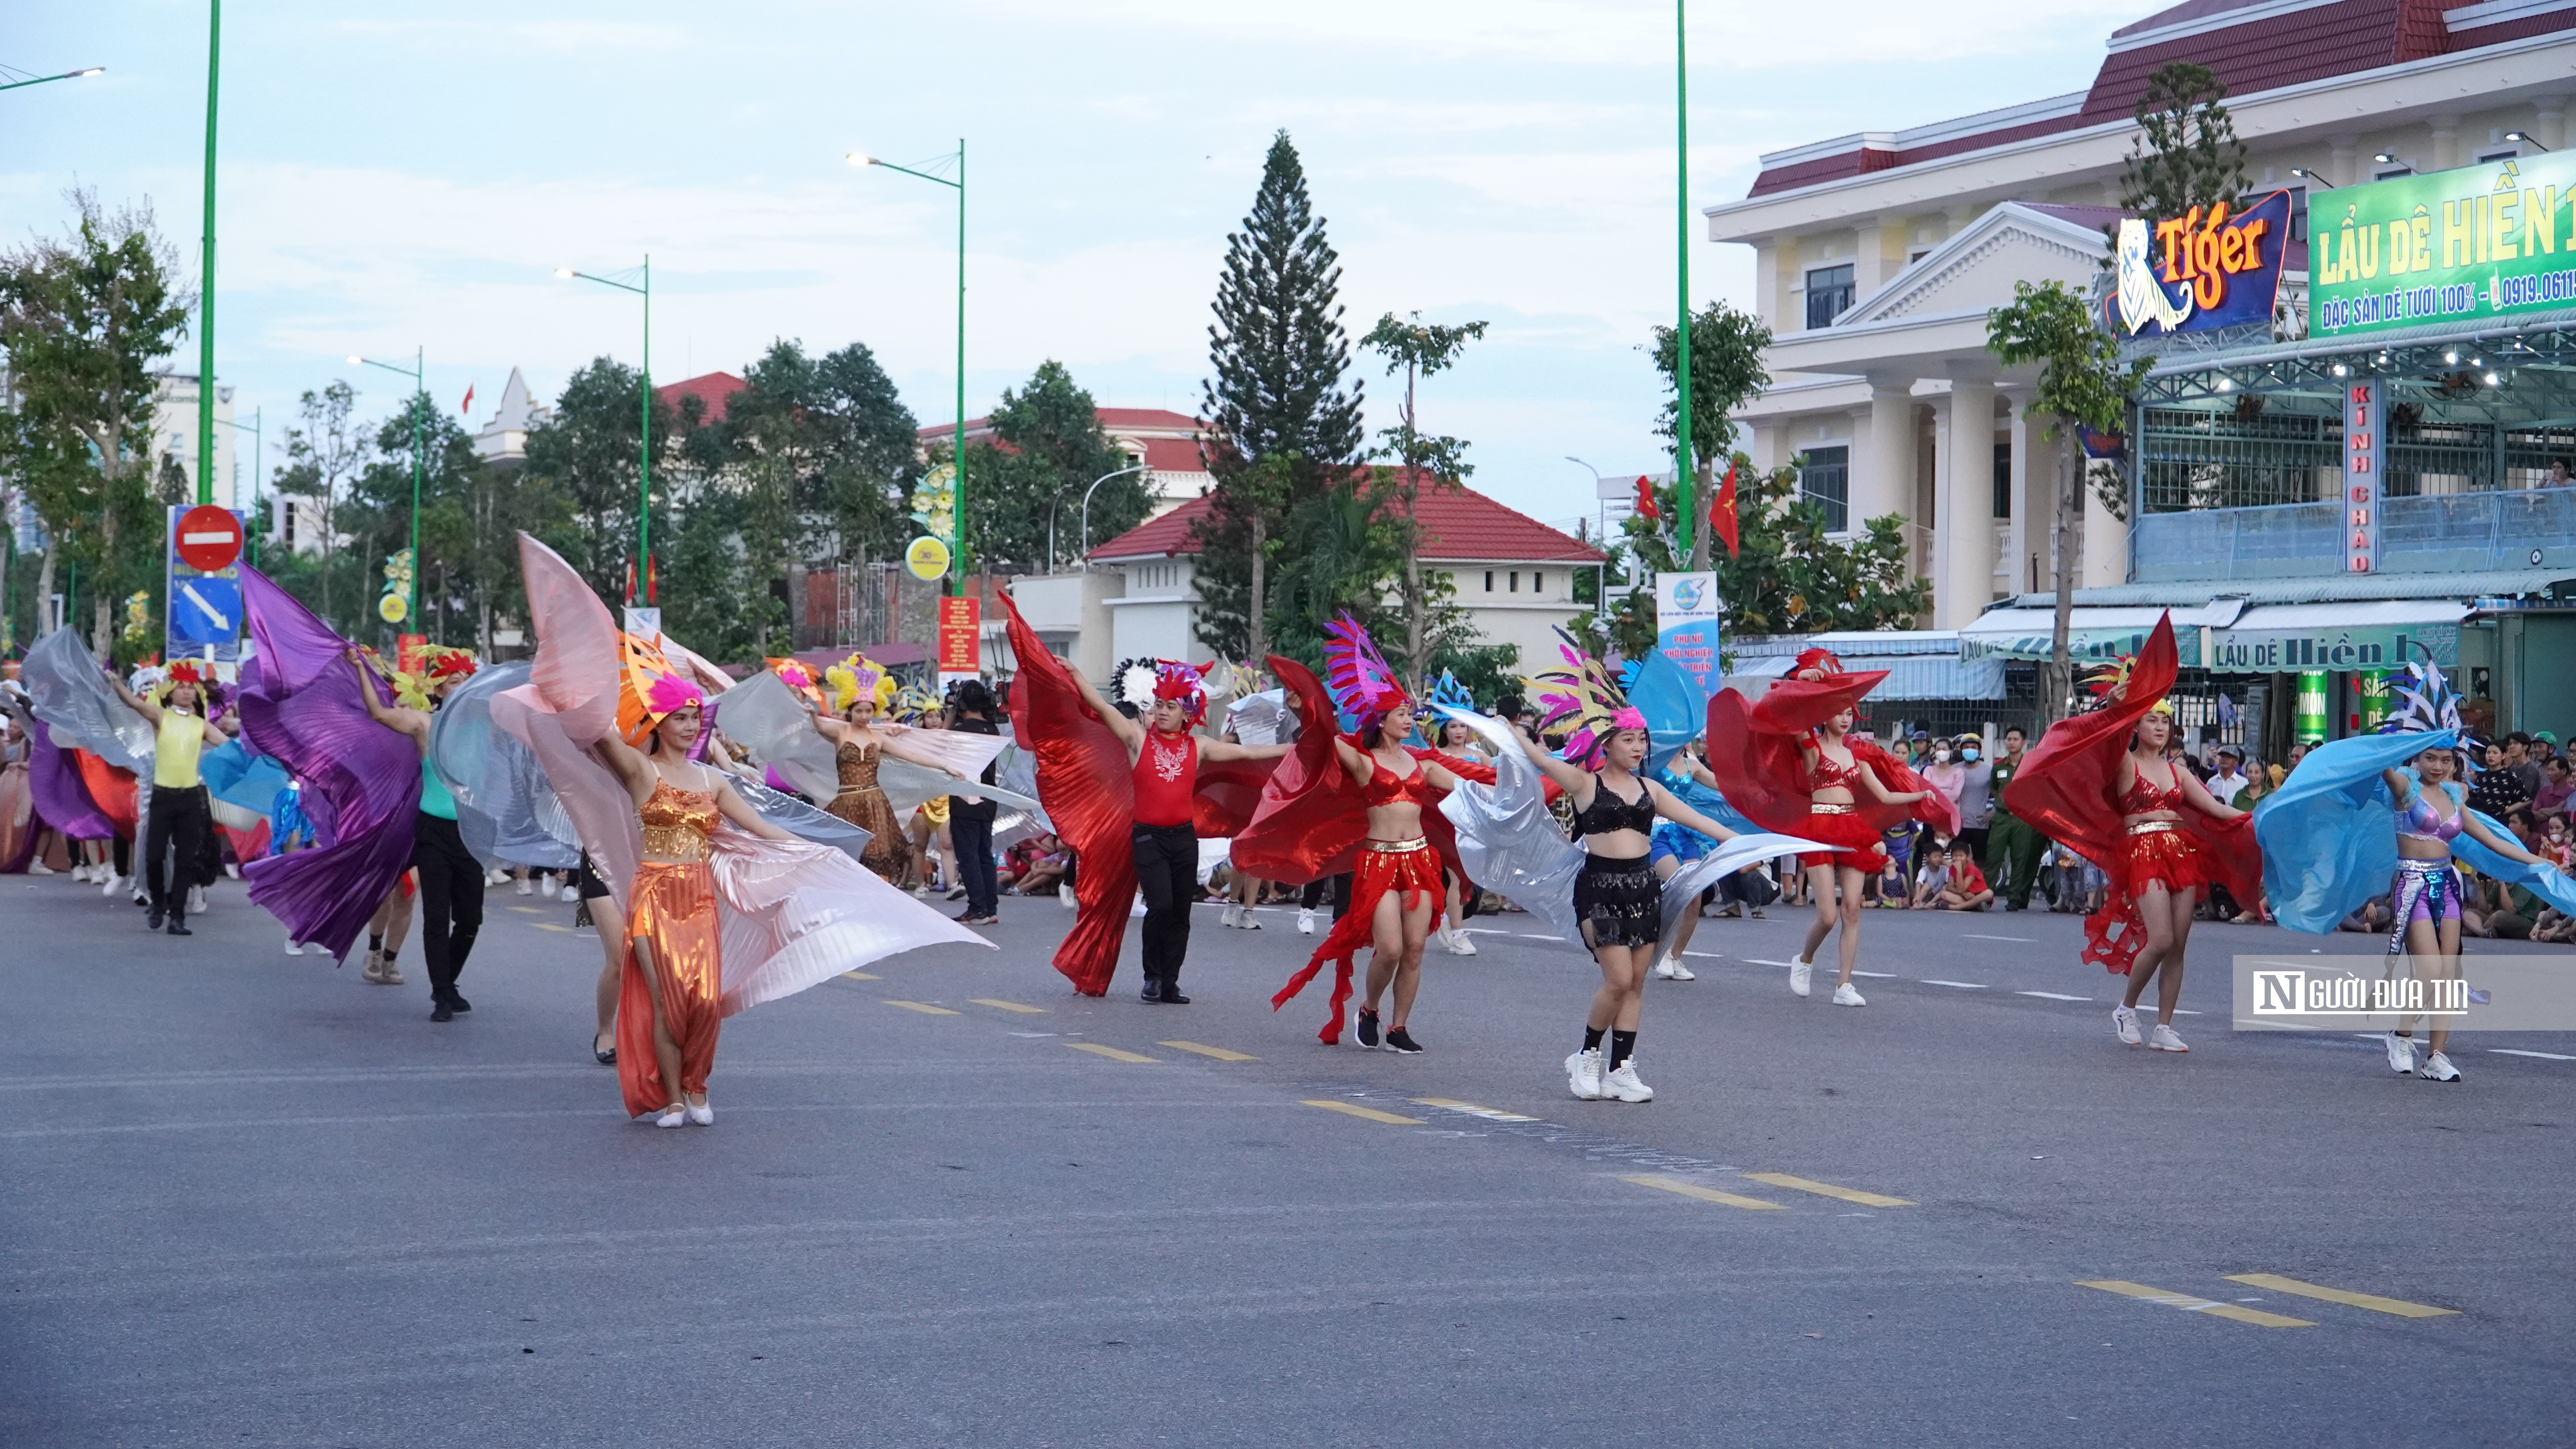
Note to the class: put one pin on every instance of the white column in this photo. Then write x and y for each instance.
(2106, 539)
(2346, 148)
(2446, 142)
(1766, 284)
(1882, 476)
(1964, 505)
(2550, 130)
(1881, 256)
(2029, 500)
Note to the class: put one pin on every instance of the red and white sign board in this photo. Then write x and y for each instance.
(209, 538)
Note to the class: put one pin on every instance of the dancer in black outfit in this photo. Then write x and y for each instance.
(451, 879)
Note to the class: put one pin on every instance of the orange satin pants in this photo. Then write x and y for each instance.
(672, 909)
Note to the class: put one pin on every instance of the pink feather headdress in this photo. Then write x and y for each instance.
(1363, 687)
(1579, 699)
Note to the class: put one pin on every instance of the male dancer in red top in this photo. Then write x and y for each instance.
(1165, 758)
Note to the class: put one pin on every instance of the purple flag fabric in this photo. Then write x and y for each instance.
(361, 780)
(62, 801)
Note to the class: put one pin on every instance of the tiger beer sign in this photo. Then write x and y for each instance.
(2208, 268)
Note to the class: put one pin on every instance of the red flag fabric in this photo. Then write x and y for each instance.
(1721, 511)
(467, 406)
(1646, 499)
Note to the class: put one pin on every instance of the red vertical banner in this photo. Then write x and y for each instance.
(960, 621)
(407, 649)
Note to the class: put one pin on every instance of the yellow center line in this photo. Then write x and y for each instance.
(1490, 1114)
(1704, 1194)
(1220, 1053)
(2237, 1311)
(859, 976)
(1827, 1189)
(1369, 1114)
(924, 1007)
(527, 910)
(1000, 1005)
(548, 926)
(1111, 1052)
(2371, 1301)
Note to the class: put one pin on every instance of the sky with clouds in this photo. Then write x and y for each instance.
(410, 175)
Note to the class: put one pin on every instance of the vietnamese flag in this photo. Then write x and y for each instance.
(468, 405)
(1646, 500)
(1721, 511)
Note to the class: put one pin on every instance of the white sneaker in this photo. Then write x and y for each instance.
(2438, 1068)
(704, 1114)
(675, 1115)
(112, 882)
(571, 890)
(2164, 1040)
(526, 887)
(1799, 966)
(2124, 1020)
(1305, 921)
(1844, 995)
(38, 867)
(294, 947)
(1065, 897)
(1583, 1075)
(196, 900)
(1460, 944)
(2401, 1054)
(79, 872)
(1232, 915)
(1624, 1085)
(1134, 912)
(1670, 968)
(232, 870)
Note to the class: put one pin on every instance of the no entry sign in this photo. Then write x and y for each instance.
(208, 539)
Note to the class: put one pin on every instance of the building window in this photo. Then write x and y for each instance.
(2509, 153)
(1824, 479)
(2003, 480)
(1829, 294)
(1489, 581)
(1516, 582)
(2385, 173)
(1538, 583)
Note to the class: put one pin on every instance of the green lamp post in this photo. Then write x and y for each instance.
(957, 454)
(643, 287)
(66, 75)
(419, 460)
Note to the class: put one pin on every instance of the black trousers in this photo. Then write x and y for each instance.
(176, 827)
(1167, 871)
(970, 837)
(451, 898)
(1337, 887)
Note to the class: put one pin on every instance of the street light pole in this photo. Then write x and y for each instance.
(643, 578)
(419, 442)
(66, 75)
(1086, 517)
(257, 453)
(206, 270)
(1684, 477)
(957, 451)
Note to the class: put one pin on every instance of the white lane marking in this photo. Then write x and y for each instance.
(2053, 995)
(1760, 961)
(1705, 955)
(2544, 1056)
(1881, 975)
(1539, 936)
(2025, 940)
(1962, 985)
(1485, 931)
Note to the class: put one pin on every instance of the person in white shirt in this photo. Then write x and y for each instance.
(2230, 777)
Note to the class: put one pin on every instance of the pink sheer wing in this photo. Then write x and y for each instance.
(959, 753)
(578, 662)
(795, 914)
(597, 803)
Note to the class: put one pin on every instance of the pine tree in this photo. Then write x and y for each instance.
(1278, 352)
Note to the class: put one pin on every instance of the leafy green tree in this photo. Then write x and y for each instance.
(2082, 383)
(1726, 369)
(848, 448)
(82, 319)
(1048, 449)
(1421, 349)
(1278, 354)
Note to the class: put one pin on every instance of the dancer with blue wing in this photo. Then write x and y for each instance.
(2389, 807)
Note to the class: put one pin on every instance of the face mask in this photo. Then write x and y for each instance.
(1940, 757)
(1969, 755)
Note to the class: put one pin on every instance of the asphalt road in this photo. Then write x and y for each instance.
(254, 1200)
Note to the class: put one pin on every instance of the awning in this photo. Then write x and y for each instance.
(2096, 634)
(1909, 676)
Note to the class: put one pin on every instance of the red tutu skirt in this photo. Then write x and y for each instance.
(2114, 935)
(1857, 843)
(1411, 869)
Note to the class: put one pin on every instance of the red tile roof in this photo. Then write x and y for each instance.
(1112, 420)
(1457, 523)
(711, 388)
(2253, 56)
(1173, 455)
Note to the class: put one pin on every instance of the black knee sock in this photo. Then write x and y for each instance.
(375, 943)
(1623, 1045)
(1592, 1038)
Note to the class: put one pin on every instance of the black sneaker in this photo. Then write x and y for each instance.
(1153, 990)
(1399, 1040)
(456, 1002)
(1172, 996)
(178, 925)
(152, 922)
(438, 1010)
(1368, 1029)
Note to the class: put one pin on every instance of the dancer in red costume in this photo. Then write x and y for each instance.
(1357, 802)
(1132, 800)
(1790, 765)
(2099, 783)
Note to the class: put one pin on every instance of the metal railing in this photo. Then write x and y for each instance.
(2431, 533)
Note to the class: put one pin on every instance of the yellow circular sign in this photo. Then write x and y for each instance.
(392, 607)
(927, 558)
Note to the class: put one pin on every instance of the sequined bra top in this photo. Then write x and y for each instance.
(2145, 796)
(1608, 812)
(1385, 786)
(678, 824)
(2420, 821)
(858, 767)
(1824, 774)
